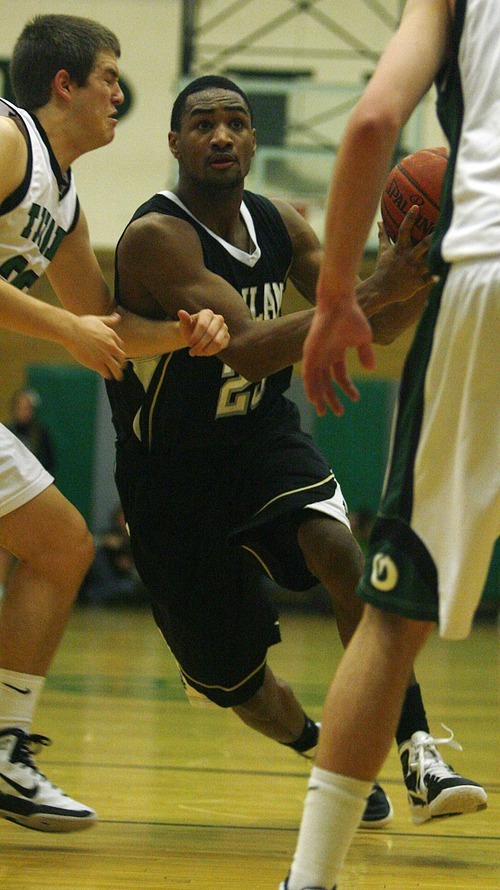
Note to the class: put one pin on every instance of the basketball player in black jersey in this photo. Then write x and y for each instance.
(219, 484)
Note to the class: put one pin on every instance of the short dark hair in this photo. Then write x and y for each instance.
(49, 43)
(207, 82)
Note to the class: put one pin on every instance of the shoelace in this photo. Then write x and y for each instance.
(27, 747)
(426, 757)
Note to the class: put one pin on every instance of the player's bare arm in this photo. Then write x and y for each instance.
(161, 270)
(401, 268)
(306, 249)
(354, 194)
(86, 294)
(392, 297)
(90, 340)
(140, 336)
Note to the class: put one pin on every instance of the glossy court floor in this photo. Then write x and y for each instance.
(191, 799)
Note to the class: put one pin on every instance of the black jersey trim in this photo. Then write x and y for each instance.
(76, 216)
(450, 112)
(13, 200)
(63, 179)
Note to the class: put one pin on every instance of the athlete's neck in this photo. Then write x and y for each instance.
(218, 210)
(63, 147)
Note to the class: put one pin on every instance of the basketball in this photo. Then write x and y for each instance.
(416, 179)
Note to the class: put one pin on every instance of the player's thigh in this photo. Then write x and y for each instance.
(330, 550)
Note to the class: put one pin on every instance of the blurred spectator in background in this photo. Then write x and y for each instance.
(27, 427)
(113, 579)
(25, 424)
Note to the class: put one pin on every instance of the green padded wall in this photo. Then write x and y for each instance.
(357, 444)
(68, 408)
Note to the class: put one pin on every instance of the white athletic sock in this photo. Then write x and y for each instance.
(19, 694)
(332, 812)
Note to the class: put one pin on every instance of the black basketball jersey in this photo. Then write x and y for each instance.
(177, 400)
(450, 111)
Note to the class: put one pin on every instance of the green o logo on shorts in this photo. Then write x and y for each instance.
(384, 574)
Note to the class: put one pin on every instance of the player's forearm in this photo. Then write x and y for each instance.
(382, 290)
(27, 315)
(145, 337)
(265, 347)
(392, 320)
(354, 193)
(371, 295)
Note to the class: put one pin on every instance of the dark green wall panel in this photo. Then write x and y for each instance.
(357, 444)
(68, 408)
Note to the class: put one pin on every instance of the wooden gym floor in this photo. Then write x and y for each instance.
(191, 798)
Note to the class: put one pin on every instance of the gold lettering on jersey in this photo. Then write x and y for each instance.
(249, 295)
(273, 296)
(271, 302)
(238, 396)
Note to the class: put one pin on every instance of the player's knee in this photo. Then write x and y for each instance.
(86, 549)
(259, 711)
(332, 554)
(396, 631)
(74, 550)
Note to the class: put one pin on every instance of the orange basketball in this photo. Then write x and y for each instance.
(416, 179)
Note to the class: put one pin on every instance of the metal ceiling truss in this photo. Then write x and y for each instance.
(201, 56)
(195, 43)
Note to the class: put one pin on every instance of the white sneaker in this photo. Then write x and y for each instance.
(26, 796)
(434, 789)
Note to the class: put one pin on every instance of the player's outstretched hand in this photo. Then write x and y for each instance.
(95, 344)
(332, 332)
(403, 265)
(204, 332)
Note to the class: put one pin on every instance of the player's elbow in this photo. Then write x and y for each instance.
(376, 125)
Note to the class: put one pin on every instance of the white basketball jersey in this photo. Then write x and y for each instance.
(41, 211)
